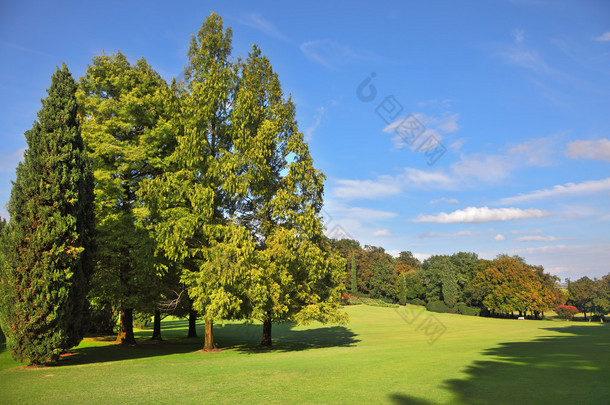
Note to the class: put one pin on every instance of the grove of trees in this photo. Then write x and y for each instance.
(196, 197)
(464, 283)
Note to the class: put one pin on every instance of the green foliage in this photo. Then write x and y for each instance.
(141, 320)
(100, 321)
(378, 302)
(430, 273)
(47, 246)
(464, 309)
(509, 284)
(438, 306)
(417, 301)
(297, 276)
(124, 109)
(402, 289)
(237, 208)
(383, 282)
(590, 296)
(415, 287)
(353, 276)
(449, 286)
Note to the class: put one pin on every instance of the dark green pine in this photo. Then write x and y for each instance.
(47, 246)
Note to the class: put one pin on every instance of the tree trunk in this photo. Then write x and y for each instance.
(208, 343)
(157, 326)
(125, 336)
(192, 324)
(266, 333)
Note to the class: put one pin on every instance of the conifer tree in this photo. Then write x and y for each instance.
(354, 276)
(47, 247)
(194, 198)
(296, 277)
(128, 138)
(402, 289)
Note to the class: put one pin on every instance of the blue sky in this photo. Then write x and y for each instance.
(441, 126)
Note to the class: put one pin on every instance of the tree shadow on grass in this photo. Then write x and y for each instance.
(115, 352)
(241, 337)
(573, 368)
(246, 338)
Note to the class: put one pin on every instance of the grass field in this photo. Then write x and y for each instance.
(384, 355)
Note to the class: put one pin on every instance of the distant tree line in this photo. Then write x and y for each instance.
(466, 284)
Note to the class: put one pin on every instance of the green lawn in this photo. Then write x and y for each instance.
(384, 355)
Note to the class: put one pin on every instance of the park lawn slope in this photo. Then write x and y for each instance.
(384, 355)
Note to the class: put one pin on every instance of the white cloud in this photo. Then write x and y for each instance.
(537, 152)
(536, 238)
(383, 186)
(499, 237)
(605, 37)
(572, 261)
(445, 235)
(432, 128)
(525, 58)
(519, 35)
(382, 232)
(257, 21)
(366, 214)
(421, 256)
(329, 53)
(519, 232)
(457, 145)
(387, 185)
(445, 199)
(320, 113)
(421, 178)
(469, 171)
(8, 163)
(598, 150)
(486, 168)
(482, 214)
(570, 189)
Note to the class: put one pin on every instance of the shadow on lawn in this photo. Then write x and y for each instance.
(242, 337)
(566, 369)
(246, 337)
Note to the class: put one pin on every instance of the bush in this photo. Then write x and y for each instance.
(566, 312)
(466, 310)
(438, 306)
(378, 302)
(417, 301)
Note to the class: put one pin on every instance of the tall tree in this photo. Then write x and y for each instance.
(449, 285)
(353, 276)
(48, 245)
(510, 284)
(193, 202)
(128, 138)
(402, 288)
(581, 294)
(296, 276)
(406, 262)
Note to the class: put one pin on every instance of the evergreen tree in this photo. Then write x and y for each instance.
(354, 276)
(47, 247)
(402, 289)
(128, 138)
(193, 200)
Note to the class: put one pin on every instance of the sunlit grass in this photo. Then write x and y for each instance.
(381, 356)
